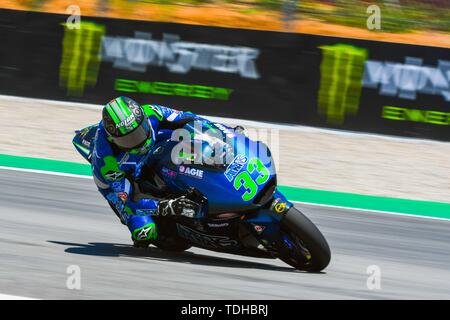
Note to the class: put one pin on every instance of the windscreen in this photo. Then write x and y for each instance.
(207, 144)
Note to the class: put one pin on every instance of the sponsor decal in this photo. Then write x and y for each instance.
(415, 115)
(114, 175)
(84, 132)
(407, 79)
(118, 186)
(190, 213)
(123, 196)
(136, 54)
(192, 172)
(341, 74)
(278, 206)
(249, 185)
(146, 212)
(235, 166)
(119, 205)
(168, 172)
(205, 240)
(80, 61)
(218, 225)
(144, 233)
(172, 89)
(346, 69)
(259, 229)
(127, 122)
(86, 143)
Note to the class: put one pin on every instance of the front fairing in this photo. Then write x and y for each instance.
(245, 180)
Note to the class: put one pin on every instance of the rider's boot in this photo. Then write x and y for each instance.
(141, 243)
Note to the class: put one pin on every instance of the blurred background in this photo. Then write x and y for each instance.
(409, 21)
(318, 71)
(355, 125)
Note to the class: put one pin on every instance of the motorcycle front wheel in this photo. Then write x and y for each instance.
(301, 244)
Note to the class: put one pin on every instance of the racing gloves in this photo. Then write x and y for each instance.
(178, 207)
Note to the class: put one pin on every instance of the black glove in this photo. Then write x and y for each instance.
(178, 207)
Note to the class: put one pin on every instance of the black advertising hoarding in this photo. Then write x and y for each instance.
(271, 76)
(154, 63)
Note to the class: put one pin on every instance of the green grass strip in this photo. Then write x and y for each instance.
(339, 199)
(359, 201)
(45, 165)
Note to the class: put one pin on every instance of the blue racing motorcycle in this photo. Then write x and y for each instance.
(234, 180)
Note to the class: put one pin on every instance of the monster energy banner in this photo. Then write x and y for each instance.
(278, 77)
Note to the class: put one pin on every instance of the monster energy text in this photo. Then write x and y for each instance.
(172, 89)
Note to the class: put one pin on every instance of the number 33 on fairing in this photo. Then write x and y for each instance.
(245, 181)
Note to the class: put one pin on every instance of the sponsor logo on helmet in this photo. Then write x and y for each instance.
(127, 122)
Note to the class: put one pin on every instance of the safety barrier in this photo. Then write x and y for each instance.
(304, 79)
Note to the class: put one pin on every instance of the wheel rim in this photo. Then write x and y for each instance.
(298, 252)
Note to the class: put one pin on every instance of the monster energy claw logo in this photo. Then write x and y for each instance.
(341, 72)
(80, 57)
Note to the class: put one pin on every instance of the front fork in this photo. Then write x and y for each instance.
(265, 223)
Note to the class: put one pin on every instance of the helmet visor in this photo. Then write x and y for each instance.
(135, 138)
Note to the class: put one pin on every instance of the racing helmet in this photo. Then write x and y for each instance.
(127, 125)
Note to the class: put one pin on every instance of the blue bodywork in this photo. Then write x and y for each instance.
(234, 174)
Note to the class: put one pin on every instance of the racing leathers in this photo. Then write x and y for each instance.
(113, 171)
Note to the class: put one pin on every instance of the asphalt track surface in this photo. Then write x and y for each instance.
(48, 223)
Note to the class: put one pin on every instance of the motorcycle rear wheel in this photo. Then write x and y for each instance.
(171, 244)
(301, 244)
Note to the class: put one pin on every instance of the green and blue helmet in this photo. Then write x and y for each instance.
(127, 125)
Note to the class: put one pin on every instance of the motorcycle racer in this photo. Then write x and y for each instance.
(207, 185)
(124, 136)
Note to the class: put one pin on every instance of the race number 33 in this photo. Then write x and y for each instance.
(249, 184)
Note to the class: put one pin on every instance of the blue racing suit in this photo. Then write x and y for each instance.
(112, 170)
